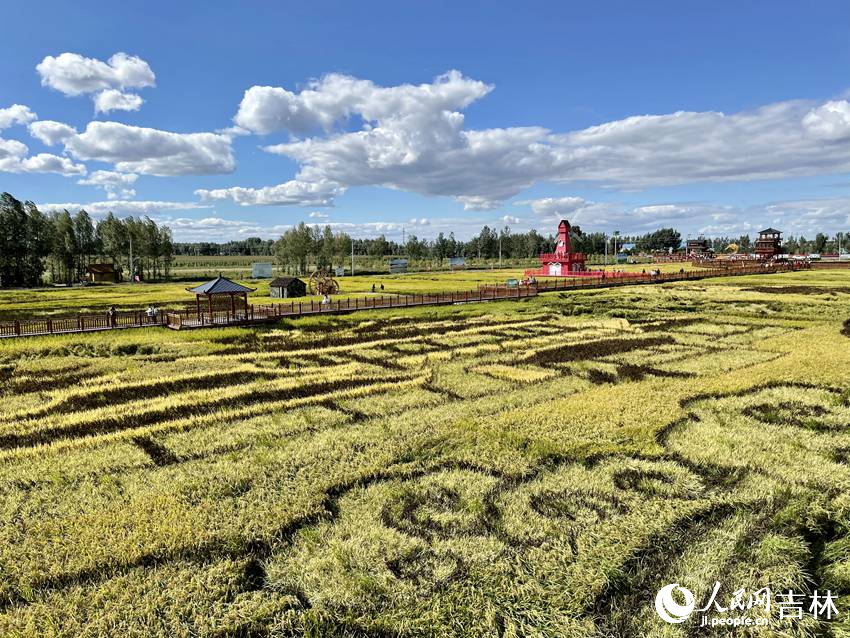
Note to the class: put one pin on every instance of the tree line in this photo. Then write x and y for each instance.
(33, 244)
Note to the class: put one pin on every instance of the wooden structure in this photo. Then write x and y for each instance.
(323, 283)
(102, 273)
(769, 243)
(287, 287)
(563, 262)
(221, 294)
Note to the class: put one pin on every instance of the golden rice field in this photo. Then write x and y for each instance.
(524, 468)
(24, 304)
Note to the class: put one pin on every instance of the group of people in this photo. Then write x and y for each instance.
(152, 313)
(373, 287)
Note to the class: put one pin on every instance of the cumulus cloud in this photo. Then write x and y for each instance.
(335, 97)
(318, 215)
(831, 121)
(116, 185)
(15, 114)
(133, 149)
(12, 149)
(555, 206)
(50, 132)
(123, 207)
(72, 74)
(115, 100)
(510, 219)
(13, 159)
(293, 192)
(414, 138)
(47, 163)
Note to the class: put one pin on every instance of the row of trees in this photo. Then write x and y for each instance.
(236, 247)
(32, 243)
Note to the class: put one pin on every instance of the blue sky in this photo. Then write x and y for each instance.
(228, 120)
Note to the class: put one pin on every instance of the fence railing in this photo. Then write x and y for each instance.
(260, 313)
(80, 323)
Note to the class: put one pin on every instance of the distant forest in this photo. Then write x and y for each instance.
(62, 245)
(322, 243)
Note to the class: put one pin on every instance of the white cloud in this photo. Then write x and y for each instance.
(13, 159)
(318, 215)
(414, 138)
(47, 163)
(73, 74)
(797, 217)
(555, 206)
(510, 219)
(293, 192)
(831, 121)
(12, 149)
(124, 207)
(422, 221)
(147, 151)
(15, 114)
(335, 97)
(107, 82)
(50, 132)
(116, 185)
(115, 100)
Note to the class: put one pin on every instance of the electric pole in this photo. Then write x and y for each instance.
(352, 256)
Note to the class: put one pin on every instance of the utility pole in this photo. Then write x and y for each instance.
(500, 250)
(606, 248)
(352, 256)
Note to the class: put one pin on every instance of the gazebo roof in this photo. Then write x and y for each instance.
(770, 231)
(220, 286)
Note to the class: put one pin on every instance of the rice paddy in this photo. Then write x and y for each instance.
(525, 468)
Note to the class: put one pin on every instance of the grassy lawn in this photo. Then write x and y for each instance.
(532, 468)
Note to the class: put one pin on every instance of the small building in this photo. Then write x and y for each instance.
(769, 243)
(287, 287)
(102, 273)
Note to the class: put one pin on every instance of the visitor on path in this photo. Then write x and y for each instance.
(326, 300)
(110, 314)
(382, 287)
(373, 287)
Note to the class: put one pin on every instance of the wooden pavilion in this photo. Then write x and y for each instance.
(223, 295)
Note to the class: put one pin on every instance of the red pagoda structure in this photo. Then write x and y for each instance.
(563, 261)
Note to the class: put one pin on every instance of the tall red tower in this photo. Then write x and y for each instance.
(562, 246)
(563, 261)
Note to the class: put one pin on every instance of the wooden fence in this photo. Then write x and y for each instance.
(264, 313)
(80, 323)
